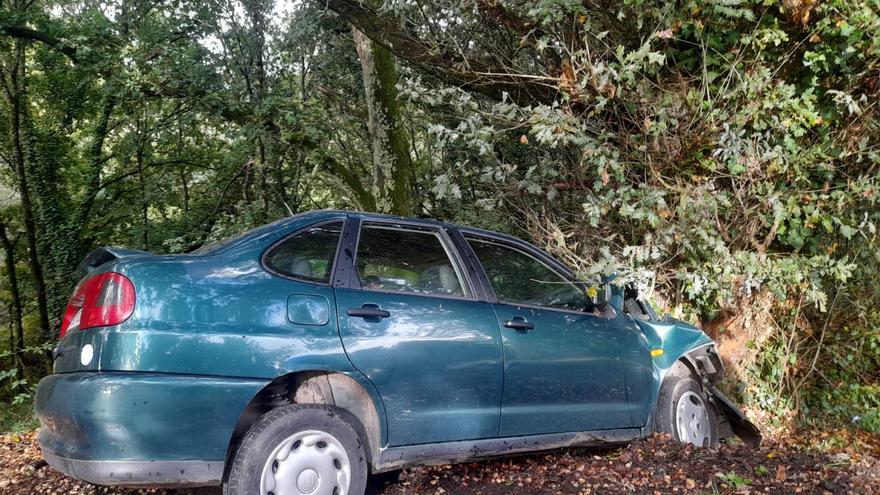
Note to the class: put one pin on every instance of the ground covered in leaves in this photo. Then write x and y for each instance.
(652, 466)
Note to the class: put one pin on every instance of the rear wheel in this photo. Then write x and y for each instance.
(684, 410)
(300, 450)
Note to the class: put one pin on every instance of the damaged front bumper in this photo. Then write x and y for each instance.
(739, 423)
(706, 362)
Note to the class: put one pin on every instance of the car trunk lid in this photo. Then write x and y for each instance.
(103, 255)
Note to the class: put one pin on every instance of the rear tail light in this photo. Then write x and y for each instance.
(98, 301)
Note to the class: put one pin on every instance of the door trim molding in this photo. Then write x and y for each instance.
(391, 458)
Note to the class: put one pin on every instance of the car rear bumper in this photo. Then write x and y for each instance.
(129, 428)
(153, 474)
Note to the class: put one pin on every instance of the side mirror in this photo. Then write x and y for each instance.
(600, 299)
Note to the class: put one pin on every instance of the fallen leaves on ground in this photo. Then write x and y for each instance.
(656, 465)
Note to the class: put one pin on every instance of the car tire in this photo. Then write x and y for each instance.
(306, 448)
(684, 410)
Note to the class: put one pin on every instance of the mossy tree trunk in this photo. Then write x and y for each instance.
(392, 164)
(15, 93)
(53, 220)
(16, 335)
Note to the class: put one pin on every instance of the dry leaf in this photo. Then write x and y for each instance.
(780, 473)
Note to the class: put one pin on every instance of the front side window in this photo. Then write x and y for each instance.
(308, 254)
(519, 278)
(404, 259)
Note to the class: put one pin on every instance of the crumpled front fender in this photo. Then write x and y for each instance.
(680, 341)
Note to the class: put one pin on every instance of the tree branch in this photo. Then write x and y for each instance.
(495, 10)
(33, 35)
(502, 15)
(447, 66)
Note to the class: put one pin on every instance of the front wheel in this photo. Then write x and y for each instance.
(299, 450)
(684, 411)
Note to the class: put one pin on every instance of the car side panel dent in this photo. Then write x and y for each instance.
(88, 415)
(349, 391)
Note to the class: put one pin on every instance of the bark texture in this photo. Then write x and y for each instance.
(15, 307)
(392, 164)
(15, 93)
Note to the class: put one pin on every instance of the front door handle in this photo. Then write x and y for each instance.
(519, 323)
(368, 312)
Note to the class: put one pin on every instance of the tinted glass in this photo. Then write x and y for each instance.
(519, 278)
(308, 254)
(405, 260)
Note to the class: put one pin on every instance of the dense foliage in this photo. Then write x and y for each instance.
(720, 154)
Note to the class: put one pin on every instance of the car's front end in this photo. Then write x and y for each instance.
(677, 343)
(679, 348)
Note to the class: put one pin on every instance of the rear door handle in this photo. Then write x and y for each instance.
(368, 311)
(519, 323)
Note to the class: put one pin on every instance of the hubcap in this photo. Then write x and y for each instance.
(692, 419)
(310, 462)
(308, 480)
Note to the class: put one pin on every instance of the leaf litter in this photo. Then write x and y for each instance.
(655, 465)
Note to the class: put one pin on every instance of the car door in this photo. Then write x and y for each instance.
(562, 359)
(410, 321)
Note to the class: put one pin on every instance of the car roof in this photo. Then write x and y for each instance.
(428, 221)
(326, 215)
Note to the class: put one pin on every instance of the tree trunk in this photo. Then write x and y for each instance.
(16, 98)
(145, 203)
(392, 164)
(267, 154)
(96, 162)
(16, 307)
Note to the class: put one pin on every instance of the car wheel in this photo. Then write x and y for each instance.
(300, 449)
(684, 410)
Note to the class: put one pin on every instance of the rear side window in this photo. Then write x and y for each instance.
(402, 259)
(308, 254)
(520, 278)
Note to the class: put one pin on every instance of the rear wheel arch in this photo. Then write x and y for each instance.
(337, 390)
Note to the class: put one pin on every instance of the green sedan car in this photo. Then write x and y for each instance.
(303, 355)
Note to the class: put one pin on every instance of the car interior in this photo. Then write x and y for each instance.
(405, 261)
(635, 306)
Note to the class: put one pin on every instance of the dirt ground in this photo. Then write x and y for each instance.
(652, 466)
